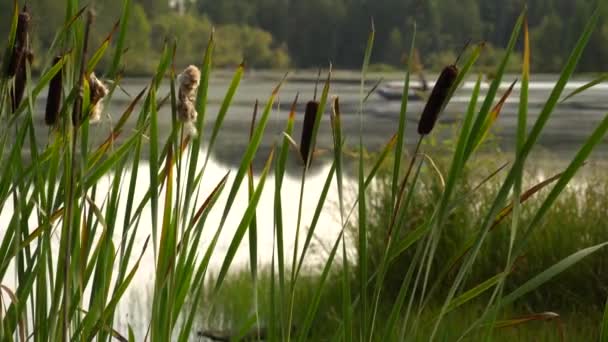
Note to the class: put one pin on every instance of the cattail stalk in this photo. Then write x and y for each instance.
(21, 43)
(434, 106)
(66, 234)
(53, 101)
(307, 129)
(77, 110)
(20, 56)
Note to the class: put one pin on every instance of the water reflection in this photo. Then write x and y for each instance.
(135, 307)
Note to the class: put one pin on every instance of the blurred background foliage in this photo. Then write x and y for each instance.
(276, 34)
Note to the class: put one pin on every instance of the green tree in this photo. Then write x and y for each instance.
(395, 47)
(314, 32)
(154, 8)
(229, 11)
(190, 31)
(547, 44)
(460, 21)
(236, 44)
(138, 58)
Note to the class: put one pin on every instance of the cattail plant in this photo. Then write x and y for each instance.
(98, 92)
(21, 42)
(53, 101)
(435, 104)
(307, 130)
(19, 57)
(310, 116)
(20, 81)
(437, 100)
(188, 82)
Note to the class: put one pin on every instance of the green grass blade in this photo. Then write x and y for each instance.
(602, 78)
(98, 55)
(201, 108)
(122, 36)
(253, 226)
(154, 166)
(561, 83)
(362, 221)
(474, 292)
(550, 273)
(278, 210)
(604, 327)
(336, 119)
(402, 122)
(244, 225)
(314, 303)
(317, 214)
(234, 84)
(485, 109)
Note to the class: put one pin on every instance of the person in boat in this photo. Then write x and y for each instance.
(394, 90)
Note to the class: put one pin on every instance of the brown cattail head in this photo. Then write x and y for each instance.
(19, 87)
(23, 25)
(188, 81)
(53, 101)
(20, 80)
(21, 43)
(437, 100)
(307, 129)
(19, 57)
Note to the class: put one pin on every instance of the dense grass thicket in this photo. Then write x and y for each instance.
(576, 219)
(413, 260)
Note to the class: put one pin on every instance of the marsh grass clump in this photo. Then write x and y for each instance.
(188, 81)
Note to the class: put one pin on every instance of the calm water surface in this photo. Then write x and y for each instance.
(570, 124)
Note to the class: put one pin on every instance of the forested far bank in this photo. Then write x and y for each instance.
(277, 34)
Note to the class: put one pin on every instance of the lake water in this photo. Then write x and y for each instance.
(569, 126)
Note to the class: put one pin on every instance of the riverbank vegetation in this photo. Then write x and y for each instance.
(571, 307)
(430, 247)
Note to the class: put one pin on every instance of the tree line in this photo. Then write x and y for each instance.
(306, 34)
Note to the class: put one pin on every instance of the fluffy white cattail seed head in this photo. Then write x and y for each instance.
(188, 81)
(98, 92)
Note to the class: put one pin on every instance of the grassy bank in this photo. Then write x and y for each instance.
(575, 220)
(228, 308)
